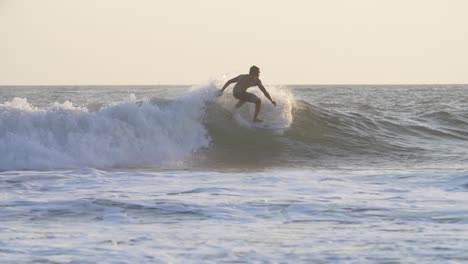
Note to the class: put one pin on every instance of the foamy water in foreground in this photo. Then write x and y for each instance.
(362, 175)
(269, 216)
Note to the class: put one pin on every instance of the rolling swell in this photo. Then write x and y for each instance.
(315, 135)
(326, 136)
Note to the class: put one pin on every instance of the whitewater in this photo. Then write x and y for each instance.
(172, 174)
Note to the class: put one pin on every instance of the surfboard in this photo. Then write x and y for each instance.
(257, 125)
(269, 126)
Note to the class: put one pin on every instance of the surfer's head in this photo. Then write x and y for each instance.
(254, 71)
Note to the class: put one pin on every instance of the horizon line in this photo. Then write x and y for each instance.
(303, 84)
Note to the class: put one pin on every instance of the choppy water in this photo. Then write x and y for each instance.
(351, 174)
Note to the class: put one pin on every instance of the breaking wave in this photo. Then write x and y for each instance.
(199, 128)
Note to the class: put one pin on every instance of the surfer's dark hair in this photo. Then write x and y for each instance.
(254, 69)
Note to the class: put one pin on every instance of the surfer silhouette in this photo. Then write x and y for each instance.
(244, 82)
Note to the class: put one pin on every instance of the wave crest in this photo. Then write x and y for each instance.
(124, 134)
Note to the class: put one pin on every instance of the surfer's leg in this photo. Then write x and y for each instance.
(240, 103)
(242, 99)
(252, 98)
(258, 103)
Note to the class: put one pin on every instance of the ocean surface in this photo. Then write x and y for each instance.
(171, 174)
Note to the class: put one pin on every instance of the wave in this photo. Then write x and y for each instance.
(121, 134)
(320, 136)
(198, 128)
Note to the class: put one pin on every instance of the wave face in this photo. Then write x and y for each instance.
(198, 129)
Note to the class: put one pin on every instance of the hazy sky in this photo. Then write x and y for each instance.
(191, 41)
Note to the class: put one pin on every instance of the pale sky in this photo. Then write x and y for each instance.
(79, 42)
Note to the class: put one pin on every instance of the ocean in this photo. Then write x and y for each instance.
(171, 174)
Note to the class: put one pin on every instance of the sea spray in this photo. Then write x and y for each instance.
(125, 133)
(279, 116)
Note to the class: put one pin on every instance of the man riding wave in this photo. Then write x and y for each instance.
(244, 82)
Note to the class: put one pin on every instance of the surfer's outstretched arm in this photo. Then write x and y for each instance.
(267, 95)
(233, 80)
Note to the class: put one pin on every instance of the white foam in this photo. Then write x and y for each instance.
(120, 134)
(276, 117)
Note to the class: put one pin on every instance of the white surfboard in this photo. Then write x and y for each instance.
(264, 125)
(259, 125)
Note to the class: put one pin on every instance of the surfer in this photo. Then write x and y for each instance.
(244, 82)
